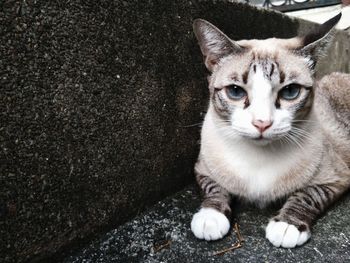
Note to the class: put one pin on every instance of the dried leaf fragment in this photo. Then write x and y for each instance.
(235, 245)
(161, 246)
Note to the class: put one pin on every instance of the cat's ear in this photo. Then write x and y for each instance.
(315, 44)
(214, 44)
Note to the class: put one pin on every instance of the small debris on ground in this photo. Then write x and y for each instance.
(235, 245)
(159, 247)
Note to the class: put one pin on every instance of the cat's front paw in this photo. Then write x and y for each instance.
(209, 224)
(282, 234)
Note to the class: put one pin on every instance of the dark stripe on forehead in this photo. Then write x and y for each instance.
(267, 66)
(282, 76)
(245, 76)
(246, 73)
(272, 69)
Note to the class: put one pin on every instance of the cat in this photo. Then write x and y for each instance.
(271, 132)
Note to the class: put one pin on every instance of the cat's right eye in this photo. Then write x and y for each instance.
(290, 92)
(235, 92)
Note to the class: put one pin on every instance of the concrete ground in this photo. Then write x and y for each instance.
(162, 234)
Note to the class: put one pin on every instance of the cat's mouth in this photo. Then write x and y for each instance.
(260, 139)
(268, 137)
(263, 139)
(255, 137)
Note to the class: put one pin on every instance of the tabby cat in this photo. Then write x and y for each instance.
(271, 132)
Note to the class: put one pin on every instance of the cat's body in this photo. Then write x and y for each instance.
(255, 173)
(264, 174)
(271, 132)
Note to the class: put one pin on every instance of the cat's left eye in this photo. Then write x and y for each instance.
(235, 92)
(290, 92)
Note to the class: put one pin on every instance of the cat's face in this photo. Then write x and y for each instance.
(261, 89)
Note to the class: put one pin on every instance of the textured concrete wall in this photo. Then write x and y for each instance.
(94, 103)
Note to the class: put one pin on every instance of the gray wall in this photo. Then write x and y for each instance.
(96, 98)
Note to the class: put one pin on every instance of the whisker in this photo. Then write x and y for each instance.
(286, 140)
(192, 125)
(296, 120)
(301, 133)
(293, 139)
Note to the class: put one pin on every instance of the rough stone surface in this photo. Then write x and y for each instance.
(96, 98)
(170, 220)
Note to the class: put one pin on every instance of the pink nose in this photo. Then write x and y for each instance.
(262, 125)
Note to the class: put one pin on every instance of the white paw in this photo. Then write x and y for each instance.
(209, 224)
(282, 234)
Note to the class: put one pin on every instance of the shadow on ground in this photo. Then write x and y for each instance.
(169, 220)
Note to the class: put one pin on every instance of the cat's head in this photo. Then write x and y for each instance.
(261, 88)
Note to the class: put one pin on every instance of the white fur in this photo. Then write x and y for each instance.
(256, 169)
(261, 108)
(209, 224)
(282, 234)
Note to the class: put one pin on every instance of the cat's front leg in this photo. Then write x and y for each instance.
(211, 222)
(291, 227)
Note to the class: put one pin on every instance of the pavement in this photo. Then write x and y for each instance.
(162, 234)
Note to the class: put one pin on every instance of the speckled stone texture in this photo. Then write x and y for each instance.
(97, 103)
(170, 219)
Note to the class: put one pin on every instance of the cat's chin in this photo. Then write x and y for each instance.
(261, 141)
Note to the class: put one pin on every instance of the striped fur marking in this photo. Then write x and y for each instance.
(291, 227)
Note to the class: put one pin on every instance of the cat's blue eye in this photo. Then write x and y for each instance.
(235, 92)
(290, 92)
